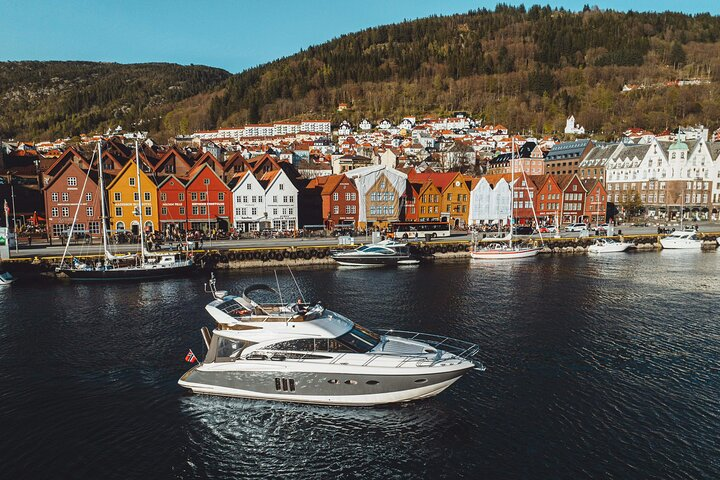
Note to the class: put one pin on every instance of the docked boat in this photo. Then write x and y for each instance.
(503, 251)
(387, 252)
(303, 352)
(509, 250)
(143, 266)
(608, 245)
(6, 279)
(681, 239)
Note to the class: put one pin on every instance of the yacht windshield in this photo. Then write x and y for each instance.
(360, 339)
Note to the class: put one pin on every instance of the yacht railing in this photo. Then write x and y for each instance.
(459, 348)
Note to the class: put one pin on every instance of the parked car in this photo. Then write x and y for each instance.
(576, 227)
(523, 230)
(548, 229)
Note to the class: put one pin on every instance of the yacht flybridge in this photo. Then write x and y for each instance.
(303, 352)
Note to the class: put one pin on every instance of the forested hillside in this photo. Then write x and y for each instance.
(524, 68)
(52, 99)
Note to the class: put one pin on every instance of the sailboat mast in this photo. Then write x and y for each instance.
(512, 186)
(140, 213)
(103, 230)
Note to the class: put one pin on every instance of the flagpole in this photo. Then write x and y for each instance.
(12, 194)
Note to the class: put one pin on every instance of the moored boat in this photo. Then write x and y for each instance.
(6, 279)
(682, 240)
(303, 352)
(608, 245)
(503, 251)
(387, 252)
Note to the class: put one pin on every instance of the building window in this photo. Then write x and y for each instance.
(206, 181)
(182, 210)
(281, 187)
(181, 196)
(163, 196)
(132, 181)
(221, 196)
(118, 211)
(89, 211)
(336, 196)
(253, 211)
(336, 209)
(163, 210)
(54, 212)
(72, 181)
(275, 211)
(249, 186)
(203, 210)
(65, 212)
(94, 227)
(54, 197)
(203, 197)
(65, 197)
(148, 211)
(195, 210)
(221, 210)
(193, 195)
(147, 196)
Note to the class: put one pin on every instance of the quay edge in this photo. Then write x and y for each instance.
(241, 258)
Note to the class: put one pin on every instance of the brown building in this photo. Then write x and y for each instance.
(339, 200)
(64, 196)
(564, 158)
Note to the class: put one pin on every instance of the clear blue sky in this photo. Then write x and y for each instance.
(230, 34)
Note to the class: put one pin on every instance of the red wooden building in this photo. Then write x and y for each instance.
(339, 200)
(573, 198)
(172, 204)
(208, 201)
(548, 200)
(595, 202)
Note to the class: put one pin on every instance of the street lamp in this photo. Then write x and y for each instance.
(207, 209)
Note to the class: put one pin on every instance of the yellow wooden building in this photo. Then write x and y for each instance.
(123, 200)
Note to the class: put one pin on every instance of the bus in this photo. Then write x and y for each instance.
(418, 230)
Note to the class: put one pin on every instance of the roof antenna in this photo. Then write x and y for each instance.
(278, 286)
(296, 285)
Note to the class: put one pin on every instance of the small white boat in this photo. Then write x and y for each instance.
(503, 251)
(608, 245)
(387, 252)
(680, 239)
(6, 279)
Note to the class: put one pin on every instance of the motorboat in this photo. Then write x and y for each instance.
(608, 245)
(6, 279)
(387, 252)
(681, 239)
(503, 251)
(302, 352)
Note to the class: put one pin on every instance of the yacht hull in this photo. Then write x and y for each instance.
(321, 388)
(127, 273)
(672, 244)
(379, 260)
(621, 247)
(503, 254)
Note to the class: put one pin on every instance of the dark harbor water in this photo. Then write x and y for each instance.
(597, 367)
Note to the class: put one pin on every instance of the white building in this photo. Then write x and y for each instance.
(573, 129)
(489, 204)
(365, 125)
(281, 201)
(248, 202)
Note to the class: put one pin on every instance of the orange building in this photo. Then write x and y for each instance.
(123, 200)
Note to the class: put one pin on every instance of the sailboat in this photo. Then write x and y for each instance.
(506, 251)
(145, 267)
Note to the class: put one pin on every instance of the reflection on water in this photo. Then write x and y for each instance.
(598, 366)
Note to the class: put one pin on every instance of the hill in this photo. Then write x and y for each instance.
(523, 68)
(56, 99)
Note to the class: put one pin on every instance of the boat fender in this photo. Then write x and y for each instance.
(224, 259)
(264, 257)
(279, 256)
(231, 256)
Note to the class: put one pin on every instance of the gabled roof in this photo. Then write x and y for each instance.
(65, 158)
(172, 152)
(441, 180)
(167, 178)
(200, 170)
(128, 165)
(567, 150)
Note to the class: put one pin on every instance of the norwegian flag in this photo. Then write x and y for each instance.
(190, 357)
(7, 208)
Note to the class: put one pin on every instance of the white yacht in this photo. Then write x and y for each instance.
(302, 352)
(681, 239)
(387, 252)
(608, 245)
(6, 279)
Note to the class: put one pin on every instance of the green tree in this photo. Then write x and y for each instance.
(632, 206)
(677, 55)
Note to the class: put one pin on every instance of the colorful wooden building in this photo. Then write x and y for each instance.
(123, 197)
